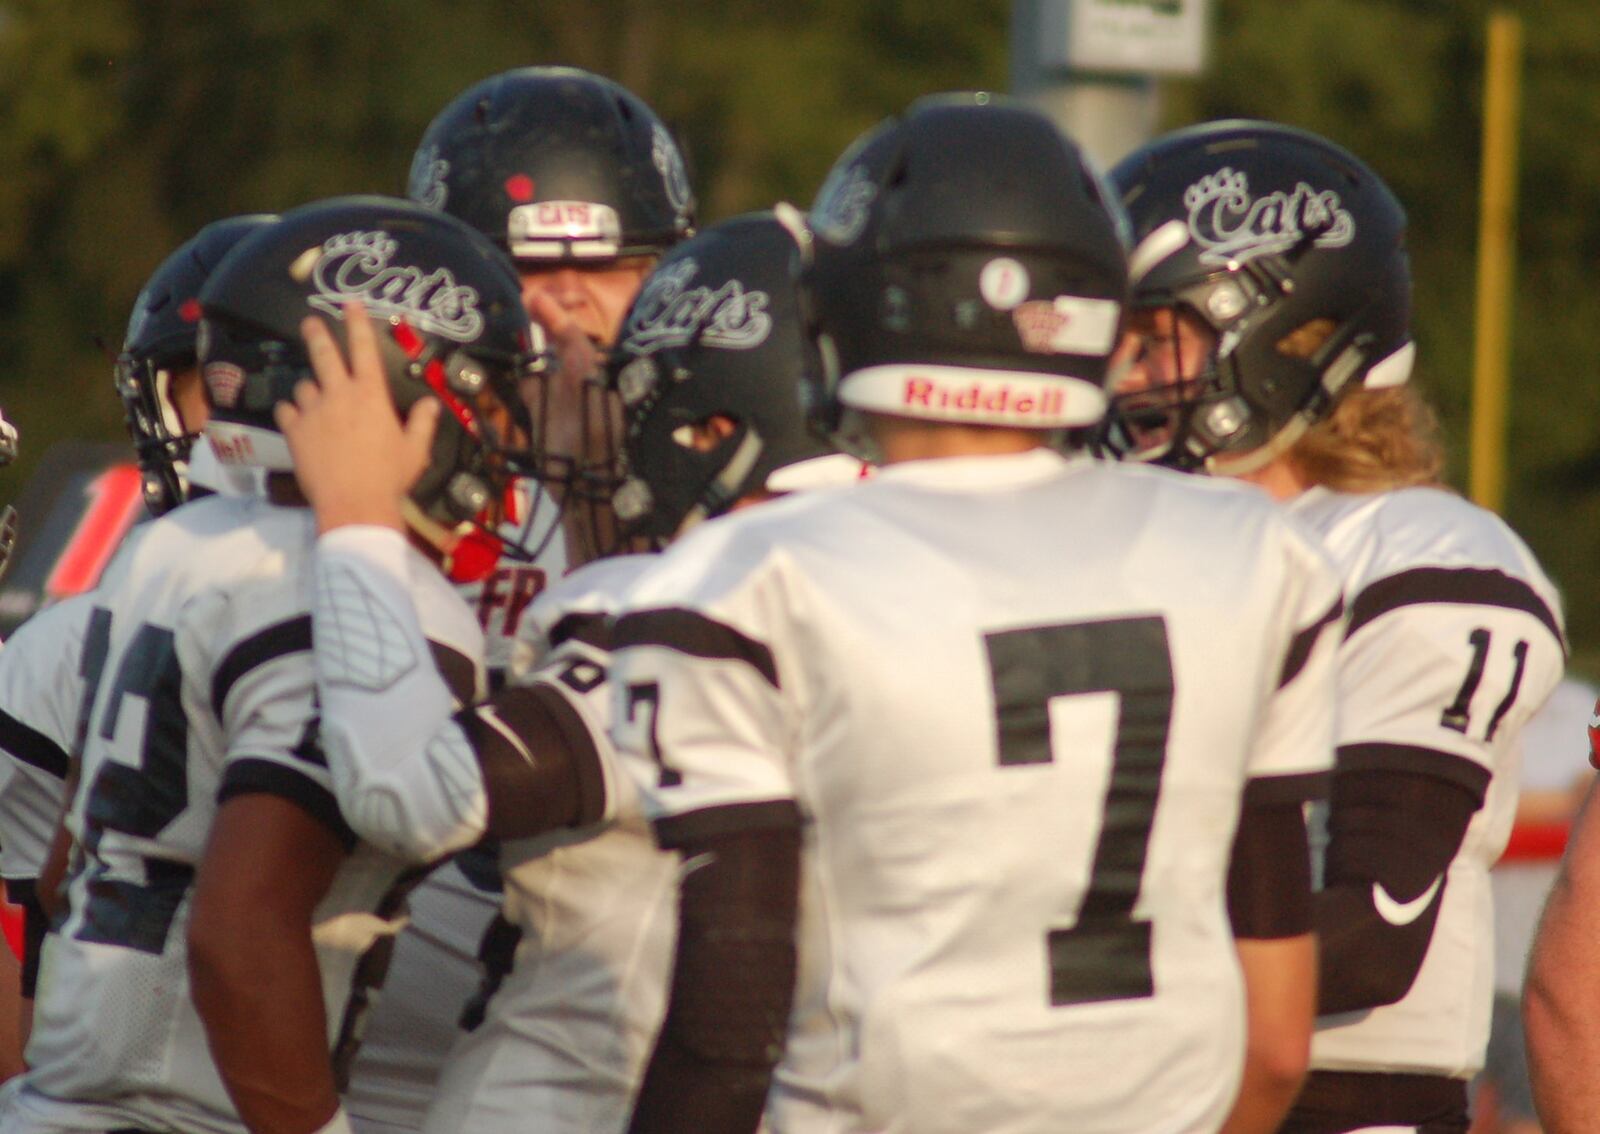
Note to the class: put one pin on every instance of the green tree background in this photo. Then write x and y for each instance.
(125, 125)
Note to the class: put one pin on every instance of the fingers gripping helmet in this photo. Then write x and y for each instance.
(450, 322)
(966, 266)
(1292, 252)
(715, 331)
(555, 163)
(159, 343)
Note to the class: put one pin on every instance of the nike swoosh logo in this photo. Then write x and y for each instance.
(1403, 913)
(699, 862)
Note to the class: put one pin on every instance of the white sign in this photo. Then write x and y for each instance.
(1156, 37)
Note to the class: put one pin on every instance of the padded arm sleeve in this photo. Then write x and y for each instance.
(405, 774)
(1269, 878)
(539, 761)
(732, 983)
(1391, 838)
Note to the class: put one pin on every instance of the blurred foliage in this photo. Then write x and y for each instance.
(125, 125)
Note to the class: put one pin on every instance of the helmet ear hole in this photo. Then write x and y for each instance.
(1307, 339)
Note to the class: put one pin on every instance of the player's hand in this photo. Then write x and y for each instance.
(353, 456)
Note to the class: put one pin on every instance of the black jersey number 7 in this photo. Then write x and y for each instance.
(1106, 955)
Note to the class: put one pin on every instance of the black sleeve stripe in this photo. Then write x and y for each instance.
(1300, 787)
(1306, 641)
(695, 826)
(1416, 759)
(277, 641)
(24, 892)
(590, 629)
(1468, 586)
(32, 747)
(694, 634)
(458, 670)
(247, 776)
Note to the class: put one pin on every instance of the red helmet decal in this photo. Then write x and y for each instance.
(519, 187)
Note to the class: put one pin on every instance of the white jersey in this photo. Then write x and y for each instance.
(416, 1019)
(198, 658)
(41, 685)
(436, 967)
(1016, 701)
(566, 1035)
(1453, 642)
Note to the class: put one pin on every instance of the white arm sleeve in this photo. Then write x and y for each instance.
(405, 775)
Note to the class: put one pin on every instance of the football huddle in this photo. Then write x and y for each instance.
(991, 652)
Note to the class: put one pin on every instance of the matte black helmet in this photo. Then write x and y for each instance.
(714, 332)
(161, 342)
(555, 163)
(1291, 252)
(448, 310)
(967, 265)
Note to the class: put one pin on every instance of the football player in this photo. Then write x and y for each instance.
(953, 770)
(581, 184)
(1272, 297)
(224, 923)
(40, 681)
(708, 367)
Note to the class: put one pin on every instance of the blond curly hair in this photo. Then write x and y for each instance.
(1373, 441)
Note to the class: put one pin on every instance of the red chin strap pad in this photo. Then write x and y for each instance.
(472, 557)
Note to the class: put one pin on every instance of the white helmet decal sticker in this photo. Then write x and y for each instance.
(843, 205)
(359, 265)
(1232, 226)
(670, 313)
(426, 183)
(667, 159)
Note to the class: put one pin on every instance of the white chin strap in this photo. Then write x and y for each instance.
(1385, 374)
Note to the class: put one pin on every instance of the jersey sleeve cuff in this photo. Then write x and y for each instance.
(381, 547)
(676, 831)
(1418, 760)
(248, 776)
(1299, 787)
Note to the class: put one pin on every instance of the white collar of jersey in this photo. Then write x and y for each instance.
(206, 471)
(818, 472)
(998, 471)
(973, 396)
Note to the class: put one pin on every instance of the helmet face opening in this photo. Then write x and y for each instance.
(576, 423)
(1290, 254)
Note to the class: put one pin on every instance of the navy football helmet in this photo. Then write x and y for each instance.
(556, 163)
(161, 342)
(1289, 253)
(451, 324)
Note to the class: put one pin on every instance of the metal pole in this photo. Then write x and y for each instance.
(1108, 115)
(1496, 260)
